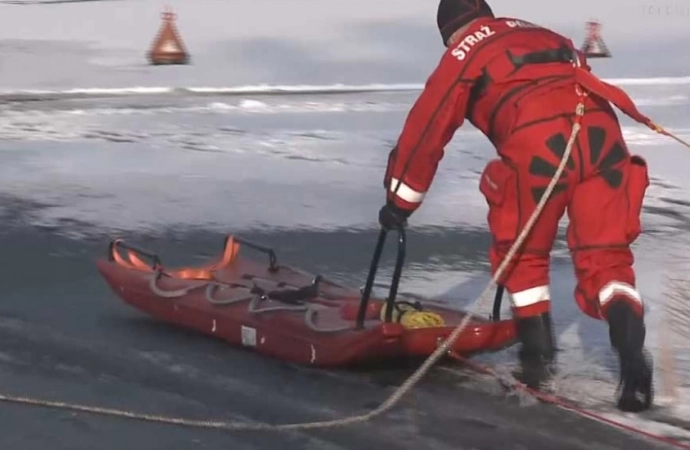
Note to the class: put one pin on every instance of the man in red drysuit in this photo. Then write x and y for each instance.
(519, 84)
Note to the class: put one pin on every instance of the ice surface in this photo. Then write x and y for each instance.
(277, 126)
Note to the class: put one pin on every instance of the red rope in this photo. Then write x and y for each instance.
(564, 404)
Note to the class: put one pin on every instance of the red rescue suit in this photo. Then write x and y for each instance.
(516, 82)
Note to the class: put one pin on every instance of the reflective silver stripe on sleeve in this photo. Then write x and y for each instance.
(405, 192)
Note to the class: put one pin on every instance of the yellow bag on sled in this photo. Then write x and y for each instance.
(411, 316)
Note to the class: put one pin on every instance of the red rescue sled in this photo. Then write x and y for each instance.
(280, 311)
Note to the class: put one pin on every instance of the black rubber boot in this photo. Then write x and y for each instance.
(627, 334)
(537, 352)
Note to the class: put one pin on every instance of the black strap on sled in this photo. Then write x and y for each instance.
(290, 296)
(395, 282)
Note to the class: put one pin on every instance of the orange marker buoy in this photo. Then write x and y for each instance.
(594, 46)
(168, 47)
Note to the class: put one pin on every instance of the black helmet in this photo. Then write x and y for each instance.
(454, 14)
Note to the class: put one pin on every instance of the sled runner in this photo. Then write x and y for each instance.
(283, 312)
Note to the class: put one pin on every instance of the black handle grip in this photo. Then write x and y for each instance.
(373, 268)
(496, 314)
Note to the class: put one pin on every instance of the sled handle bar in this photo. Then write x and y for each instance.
(395, 282)
(272, 258)
(127, 246)
(399, 262)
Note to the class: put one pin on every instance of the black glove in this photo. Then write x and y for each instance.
(391, 217)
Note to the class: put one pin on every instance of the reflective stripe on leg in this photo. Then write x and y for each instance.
(617, 291)
(614, 288)
(530, 297)
(531, 302)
